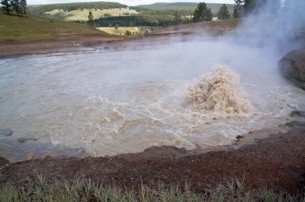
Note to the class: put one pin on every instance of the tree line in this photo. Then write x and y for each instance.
(75, 6)
(160, 17)
(171, 17)
(204, 13)
(137, 20)
(241, 8)
(14, 6)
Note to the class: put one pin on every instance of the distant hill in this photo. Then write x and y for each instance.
(111, 14)
(81, 15)
(170, 6)
(80, 11)
(41, 9)
(183, 6)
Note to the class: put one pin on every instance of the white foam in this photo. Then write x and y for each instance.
(219, 92)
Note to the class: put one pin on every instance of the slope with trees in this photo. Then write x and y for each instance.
(105, 13)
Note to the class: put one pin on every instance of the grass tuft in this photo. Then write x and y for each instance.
(87, 190)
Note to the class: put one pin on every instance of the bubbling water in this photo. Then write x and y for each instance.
(128, 104)
(219, 92)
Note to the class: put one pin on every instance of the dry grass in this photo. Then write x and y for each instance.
(122, 30)
(82, 14)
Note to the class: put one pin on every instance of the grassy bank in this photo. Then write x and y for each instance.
(32, 28)
(86, 190)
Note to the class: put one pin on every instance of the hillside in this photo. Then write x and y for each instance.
(169, 6)
(32, 34)
(33, 28)
(184, 6)
(82, 14)
(78, 12)
(40, 9)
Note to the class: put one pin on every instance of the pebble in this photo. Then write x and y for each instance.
(6, 132)
(22, 140)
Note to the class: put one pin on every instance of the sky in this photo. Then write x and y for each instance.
(127, 2)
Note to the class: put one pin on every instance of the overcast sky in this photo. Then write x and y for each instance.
(127, 2)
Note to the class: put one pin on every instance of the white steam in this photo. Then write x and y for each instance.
(278, 23)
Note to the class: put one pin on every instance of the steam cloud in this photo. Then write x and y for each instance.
(270, 31)
(275, 23)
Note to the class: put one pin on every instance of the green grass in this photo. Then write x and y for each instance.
(86, 190)
(31, 28)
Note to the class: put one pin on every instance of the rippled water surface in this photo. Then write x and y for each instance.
(111, 102)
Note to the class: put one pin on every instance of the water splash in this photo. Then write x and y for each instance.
(219, 92)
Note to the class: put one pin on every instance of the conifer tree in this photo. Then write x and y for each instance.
(6, 6)
(238, 8)
(90, 19)
(23, 5)
(209, 15)
(202, 13)
(223, 12)
(90, 16)
(16, 6)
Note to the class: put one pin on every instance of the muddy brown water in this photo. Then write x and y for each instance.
(107, 102)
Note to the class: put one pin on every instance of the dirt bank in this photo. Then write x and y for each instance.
(277, 162)
(61, 45)
(65, 44)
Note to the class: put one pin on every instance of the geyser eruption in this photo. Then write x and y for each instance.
(219, 92)
(129, 104)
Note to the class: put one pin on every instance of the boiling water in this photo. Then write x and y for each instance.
(111, 102)
(219, 93)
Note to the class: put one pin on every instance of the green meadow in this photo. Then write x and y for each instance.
(33, 28)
